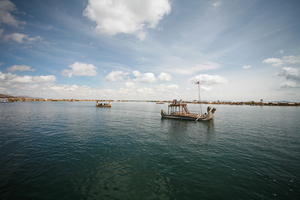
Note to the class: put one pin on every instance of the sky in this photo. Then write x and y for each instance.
(239, 50)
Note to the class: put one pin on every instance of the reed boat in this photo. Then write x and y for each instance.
(4, 100)
(103, 104)
(179, 110)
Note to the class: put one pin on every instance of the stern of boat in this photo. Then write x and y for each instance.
(163, 113)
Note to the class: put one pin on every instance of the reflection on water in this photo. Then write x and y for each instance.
(183, 129)
(210, 129)
(175, 125)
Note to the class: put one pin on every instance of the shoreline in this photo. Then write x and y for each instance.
(249, 103)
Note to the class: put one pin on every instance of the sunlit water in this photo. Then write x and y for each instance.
(65, 150)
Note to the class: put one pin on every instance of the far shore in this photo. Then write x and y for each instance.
(250, 103)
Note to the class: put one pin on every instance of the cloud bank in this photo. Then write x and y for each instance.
(12, 83)
(47, 87)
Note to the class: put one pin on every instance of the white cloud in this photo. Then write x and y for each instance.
(70, 88)
(141, 35)
(197, 68)
(130, 84)
(285, 60)
(80, 69)
(167, 88)
(144, 77)
(130, 17)
(172, 86)
(247, 67)
(116, 76)
(292, 59)
(14, 68)
(145, 90)
(206, 80)
(78, 91)
(20, 38)
(292, 76)
(132, 90)
(13, 79)
(290, 73)
(6, 17)
(290, 84)
(273, 61)
(46, 87)
(164, 76)
(137, 77)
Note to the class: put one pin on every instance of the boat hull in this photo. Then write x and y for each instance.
(178, 117)
(103, 106)
(186, 117)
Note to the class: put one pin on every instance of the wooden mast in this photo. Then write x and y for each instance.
(198, 83)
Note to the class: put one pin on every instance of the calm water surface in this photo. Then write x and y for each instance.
(65, 150)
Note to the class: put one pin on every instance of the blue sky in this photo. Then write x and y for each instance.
(238, 49)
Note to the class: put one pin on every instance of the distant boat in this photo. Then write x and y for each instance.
(179, 110)
(103, 104)
(4, 100)
(160, 102)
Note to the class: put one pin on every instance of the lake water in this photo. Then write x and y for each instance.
(73, 150)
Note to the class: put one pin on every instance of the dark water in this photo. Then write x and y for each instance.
(56, 150)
